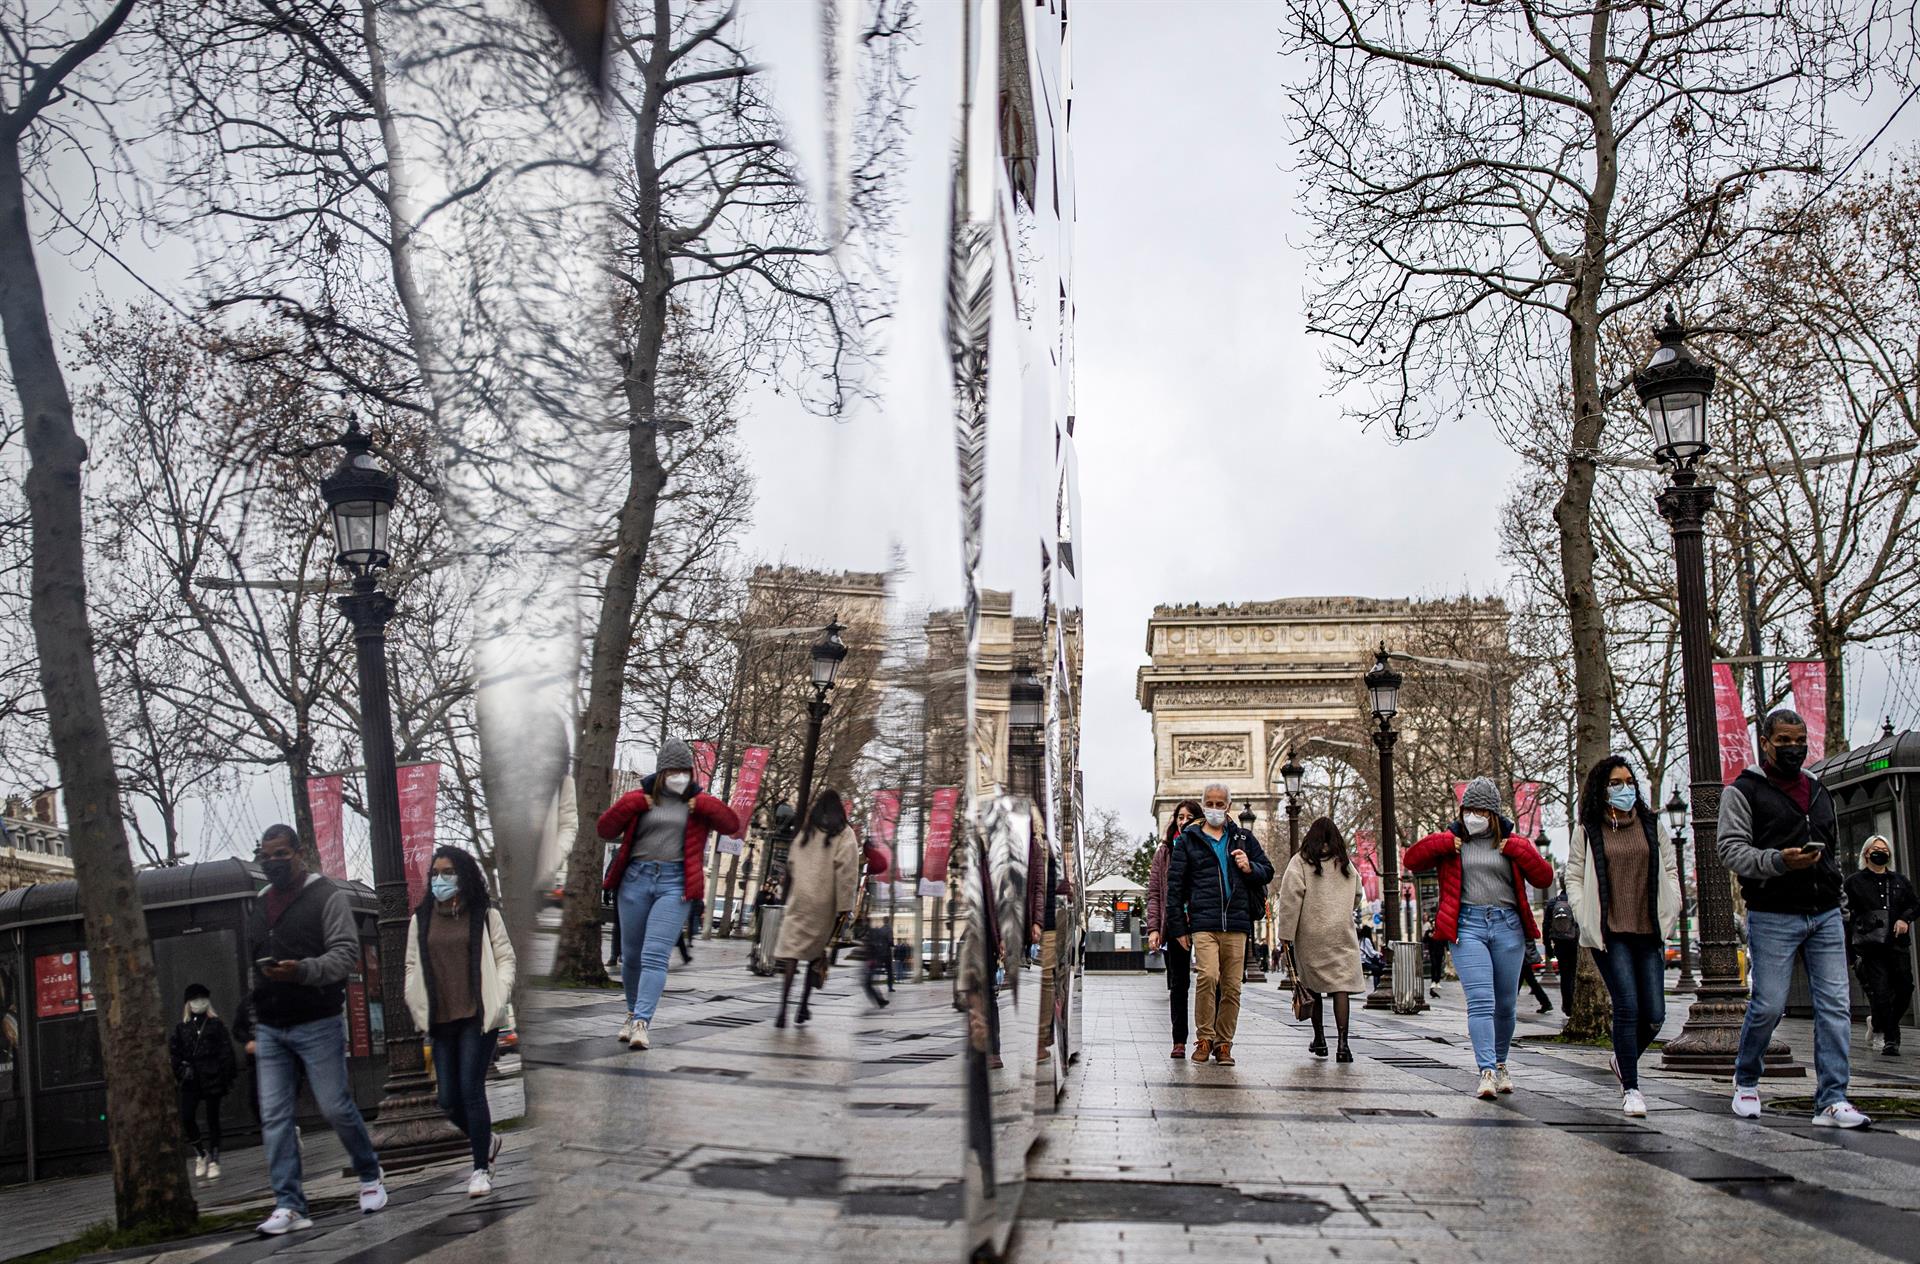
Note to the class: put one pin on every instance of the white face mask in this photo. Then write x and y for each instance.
(1477, 823)
(200, 1005)
(1216, 817)
(677, 782)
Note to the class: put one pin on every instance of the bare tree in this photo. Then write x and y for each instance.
(55, 85)
(1493, 181)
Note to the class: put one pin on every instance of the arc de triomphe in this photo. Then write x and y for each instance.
(1229, 686)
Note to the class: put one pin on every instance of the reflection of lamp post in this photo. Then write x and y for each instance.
(1291, 775)
(1026, 717)
(1675, 388)
(1383, 694)
(360, 494)
(1677, 835)
(1251, 969)
(823, 663)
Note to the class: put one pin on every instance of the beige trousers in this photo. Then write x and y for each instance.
(1219, 959)
(1049, 945)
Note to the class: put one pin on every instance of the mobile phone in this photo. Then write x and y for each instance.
(261, 963)
(1815, 845)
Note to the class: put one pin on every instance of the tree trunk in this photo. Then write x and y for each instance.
(150, 1183)
(1831, 649)
(299, 769)
(577, 958)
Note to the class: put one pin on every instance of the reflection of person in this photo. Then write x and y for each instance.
(657, 871)
(823, 881)
(1210, 910)
(203, 1067)
(1485, 913)
(1778, 832)
(1881, 911)
(9, 1022)
(1314, 921)
(1179, 959)
(302, 926)
(460, 971)
(1043, 890)
(1624, 886)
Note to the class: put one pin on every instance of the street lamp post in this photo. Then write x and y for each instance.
(1251, 970)
(1026, 741)
(1291, 775)
(1675, 388)
(1383, 695)
(1677, 833)
(823, 664)
(411, 1129)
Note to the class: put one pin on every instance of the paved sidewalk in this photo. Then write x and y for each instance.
(1390, 1158)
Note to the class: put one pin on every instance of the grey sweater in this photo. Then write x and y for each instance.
(1735, 840)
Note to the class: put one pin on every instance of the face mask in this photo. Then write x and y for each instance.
(200, 1006)
(677, 782)
(1620, 798)
(445, 886)
(279, 872)
(1477, 823)
(1878, 857)
(1789, 758)
(1216, 817)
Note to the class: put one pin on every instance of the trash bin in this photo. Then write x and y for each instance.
(1409, 985)
(761, 962)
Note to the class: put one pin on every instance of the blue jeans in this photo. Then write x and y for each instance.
(279, 1054)
(1487, 957)
(1773, 941)
(462, 1055)
(653, 908)
(1635, 970)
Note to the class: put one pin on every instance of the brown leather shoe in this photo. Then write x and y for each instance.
(1202, 1048)
(1179, 1051)
(1223, 1053)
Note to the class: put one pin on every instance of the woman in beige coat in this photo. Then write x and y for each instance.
(1318, 895)
(823, 880)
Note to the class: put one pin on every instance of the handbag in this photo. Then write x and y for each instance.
(1302, 998)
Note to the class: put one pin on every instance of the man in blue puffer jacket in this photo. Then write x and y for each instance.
(1215, 880)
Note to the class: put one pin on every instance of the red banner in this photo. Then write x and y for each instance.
(323, 802)
(1526, 810)
(1810, 700)
(1459, 793)
(56, 985)
(1366, 858)
(940, 813)
(706, 757)
(1736, 751)
(746, 793)
(419, 796)
(881, 820)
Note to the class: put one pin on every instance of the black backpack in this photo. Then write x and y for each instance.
(1560, 922)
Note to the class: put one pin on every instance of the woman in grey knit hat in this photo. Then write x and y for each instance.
(1485, 913)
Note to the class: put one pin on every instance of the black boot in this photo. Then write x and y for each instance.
(1343, 1054)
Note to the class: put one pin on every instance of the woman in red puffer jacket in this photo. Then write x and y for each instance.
(1487, 915)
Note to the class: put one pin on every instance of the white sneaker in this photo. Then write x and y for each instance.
(480, 1184)
(637, 1038)
(373, 1194)
(1502, 1078)
(199, 1165)
(1489, 1086)
(1842, 1115)
(1632, 1105)
(213, 1169)
(1746, 1102)
(283, 1220)
(626, 1029)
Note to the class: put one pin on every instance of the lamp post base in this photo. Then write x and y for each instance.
(412, 1131)
(1709, 1043)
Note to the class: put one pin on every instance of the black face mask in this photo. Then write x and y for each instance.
(1878, 857)
(279, 872)
(1789, 758)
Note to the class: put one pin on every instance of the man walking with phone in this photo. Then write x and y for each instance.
(1777, 835)
(305, 945)
(1212, 875)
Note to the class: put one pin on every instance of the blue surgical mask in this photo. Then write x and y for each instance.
(445, 887)
(1620, 798)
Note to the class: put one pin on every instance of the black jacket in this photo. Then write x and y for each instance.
(202, 1053)
(1874, 904)
(1199, 897)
